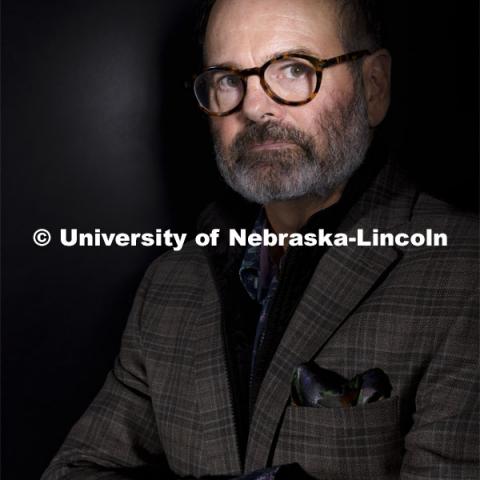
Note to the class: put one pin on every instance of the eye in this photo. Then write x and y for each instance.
(296, 70)
(227, 82)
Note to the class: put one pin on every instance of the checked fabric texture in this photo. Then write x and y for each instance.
(411, 311)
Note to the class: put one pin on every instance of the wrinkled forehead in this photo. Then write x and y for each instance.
(245, 33)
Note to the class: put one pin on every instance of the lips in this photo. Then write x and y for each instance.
(272, 145)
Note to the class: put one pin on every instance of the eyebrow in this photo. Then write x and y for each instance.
(298, 51)
(294, 51)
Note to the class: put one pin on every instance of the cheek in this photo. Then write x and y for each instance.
(337, 88)
(225, 129)
(328, 101)
(306, 118)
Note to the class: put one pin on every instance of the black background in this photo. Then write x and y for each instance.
(98, 131)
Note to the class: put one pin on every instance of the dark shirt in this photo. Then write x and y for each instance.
(281, 290)
(259, 275)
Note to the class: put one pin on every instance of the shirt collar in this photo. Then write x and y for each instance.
(257, 269)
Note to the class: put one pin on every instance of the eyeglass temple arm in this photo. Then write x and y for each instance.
(347, 57)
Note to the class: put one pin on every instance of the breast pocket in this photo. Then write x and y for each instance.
(343, 443)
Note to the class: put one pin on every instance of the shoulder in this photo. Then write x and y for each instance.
(460, 228)
(430, 211)
(176, 282)
(187, 265)
(452, 266)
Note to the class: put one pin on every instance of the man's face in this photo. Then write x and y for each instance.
(268, 151)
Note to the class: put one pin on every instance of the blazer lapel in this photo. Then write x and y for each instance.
(342, 279)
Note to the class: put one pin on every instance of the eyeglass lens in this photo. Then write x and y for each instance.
(291, 79)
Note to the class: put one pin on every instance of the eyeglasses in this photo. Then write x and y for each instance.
(289, 79)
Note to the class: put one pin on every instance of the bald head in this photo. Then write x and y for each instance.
(358, 22)
(283, 24)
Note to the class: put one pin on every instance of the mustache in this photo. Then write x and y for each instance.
(270, 131)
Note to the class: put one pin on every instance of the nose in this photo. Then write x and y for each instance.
(257, 105)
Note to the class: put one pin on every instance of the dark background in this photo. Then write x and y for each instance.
(98, 131)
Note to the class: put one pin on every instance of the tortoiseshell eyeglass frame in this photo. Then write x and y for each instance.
(317, 63)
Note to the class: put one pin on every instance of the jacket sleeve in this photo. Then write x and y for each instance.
(116, 438)
(443, 442)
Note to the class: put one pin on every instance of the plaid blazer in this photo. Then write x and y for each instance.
(412, 311)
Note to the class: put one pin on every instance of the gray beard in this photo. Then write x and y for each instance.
(303, 170)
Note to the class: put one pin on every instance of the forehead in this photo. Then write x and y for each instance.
(246, 32)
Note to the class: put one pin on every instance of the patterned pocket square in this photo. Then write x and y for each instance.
(313, 386)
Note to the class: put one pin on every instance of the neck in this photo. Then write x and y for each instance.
(289, 216)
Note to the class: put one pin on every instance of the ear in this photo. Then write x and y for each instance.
(376, 80)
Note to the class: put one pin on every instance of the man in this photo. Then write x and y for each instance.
(203, 381)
